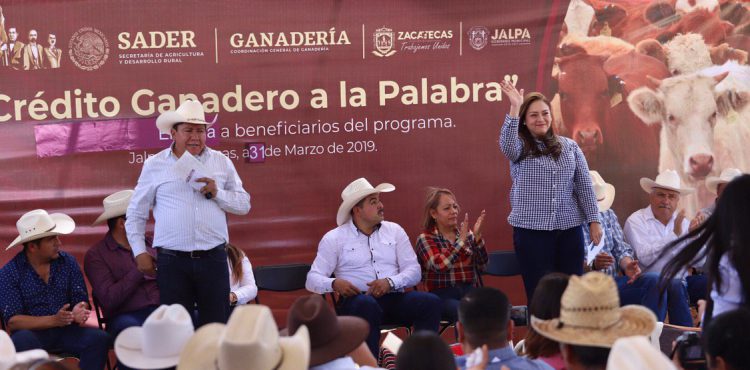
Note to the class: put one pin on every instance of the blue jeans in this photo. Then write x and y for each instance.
(90, 345)
(200, 283)
(118, 323)
(540, 252)
(420, 309)
(645, 291)
(697, 286)
(450, 297)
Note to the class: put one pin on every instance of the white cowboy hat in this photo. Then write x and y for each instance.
(637, 353)
(590, 314)
(190, 111)
(668, 179)
(38, 224)
(158, 343)
(9, 357)
(115, 205)
(712, 182)
(250, 340)
(605, 193)
(356, 191)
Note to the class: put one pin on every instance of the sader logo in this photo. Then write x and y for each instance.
(383, 42)
(88, 48)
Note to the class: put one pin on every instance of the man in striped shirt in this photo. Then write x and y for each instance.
(190, 230)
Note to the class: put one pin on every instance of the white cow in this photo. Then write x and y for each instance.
(688, 108)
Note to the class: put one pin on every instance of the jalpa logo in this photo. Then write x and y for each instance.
(382, 39)
(478, 37)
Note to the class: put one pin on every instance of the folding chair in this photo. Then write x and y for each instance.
(102, 322)
(504, 264)
(280, 278)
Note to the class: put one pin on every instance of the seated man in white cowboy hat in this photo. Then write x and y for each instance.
(649, 229)
(190, 232)
(616, 255)
(591, 320)
(125, 294)
(372, 261)
(716, 186)
(43, 297)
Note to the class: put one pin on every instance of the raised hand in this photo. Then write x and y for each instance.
(478, 227)
(464, 230)
(514, 96)
(698, 220)
(678, 222)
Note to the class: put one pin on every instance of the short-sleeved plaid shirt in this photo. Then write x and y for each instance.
(547, 194)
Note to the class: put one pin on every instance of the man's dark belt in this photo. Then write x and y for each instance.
(192, 254)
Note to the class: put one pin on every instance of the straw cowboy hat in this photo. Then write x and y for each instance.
(38, 224)
(250, 340)
(158, 343)
(190, 111)
(668, 179)
(590, 314)
(637, 353)
(9, 357)
(712, 182)
(331, 336)
(356, 191)
(115, 205)
(605, 193)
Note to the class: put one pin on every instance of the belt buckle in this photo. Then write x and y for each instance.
(195, 254)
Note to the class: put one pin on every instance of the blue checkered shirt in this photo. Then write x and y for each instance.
(614, 240)
(547, 194)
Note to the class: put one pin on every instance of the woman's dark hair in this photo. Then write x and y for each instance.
(545, 305)
(726, 231)
(425, 350)
(552, 145)
(235, 260)
(726, 337)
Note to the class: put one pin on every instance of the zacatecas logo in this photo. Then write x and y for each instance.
(88, 48)
(479, 36)
(382, 40)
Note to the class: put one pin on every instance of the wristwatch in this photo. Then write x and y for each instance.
(390, 282)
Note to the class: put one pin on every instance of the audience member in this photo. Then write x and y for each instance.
(551, 195)
(450, 256)
(650, 229)
(591, 320)
(637, 353)
(483, 316)
(545, 305)
(726, 341)
(373, 262)
(242, 288)
(425, 350)
(724, 238)
(43, 296)
(617, 256)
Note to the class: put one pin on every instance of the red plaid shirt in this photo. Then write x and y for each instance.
(445, 264)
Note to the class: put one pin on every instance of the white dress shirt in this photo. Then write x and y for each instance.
(648, 236)
(184, 219)
(245, 289)
(730, 297)
(360, 259)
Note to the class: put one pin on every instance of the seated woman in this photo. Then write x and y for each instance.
(242, 286)
(450, 256)
(545, 305)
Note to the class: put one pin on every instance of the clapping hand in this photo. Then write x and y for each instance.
(63, 317)
(700, 217)
(478, 227)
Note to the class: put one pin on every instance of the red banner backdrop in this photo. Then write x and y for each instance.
(313, 94)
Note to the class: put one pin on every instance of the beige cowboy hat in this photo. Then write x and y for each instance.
(158, 343)
(250, 340)
(331, 336)
(38, 224)
(712, 182)
(590, 314)
(115, 205)
(356, 191)
(190, 111)
(605, 193)
(668, 179)
(9, 357)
